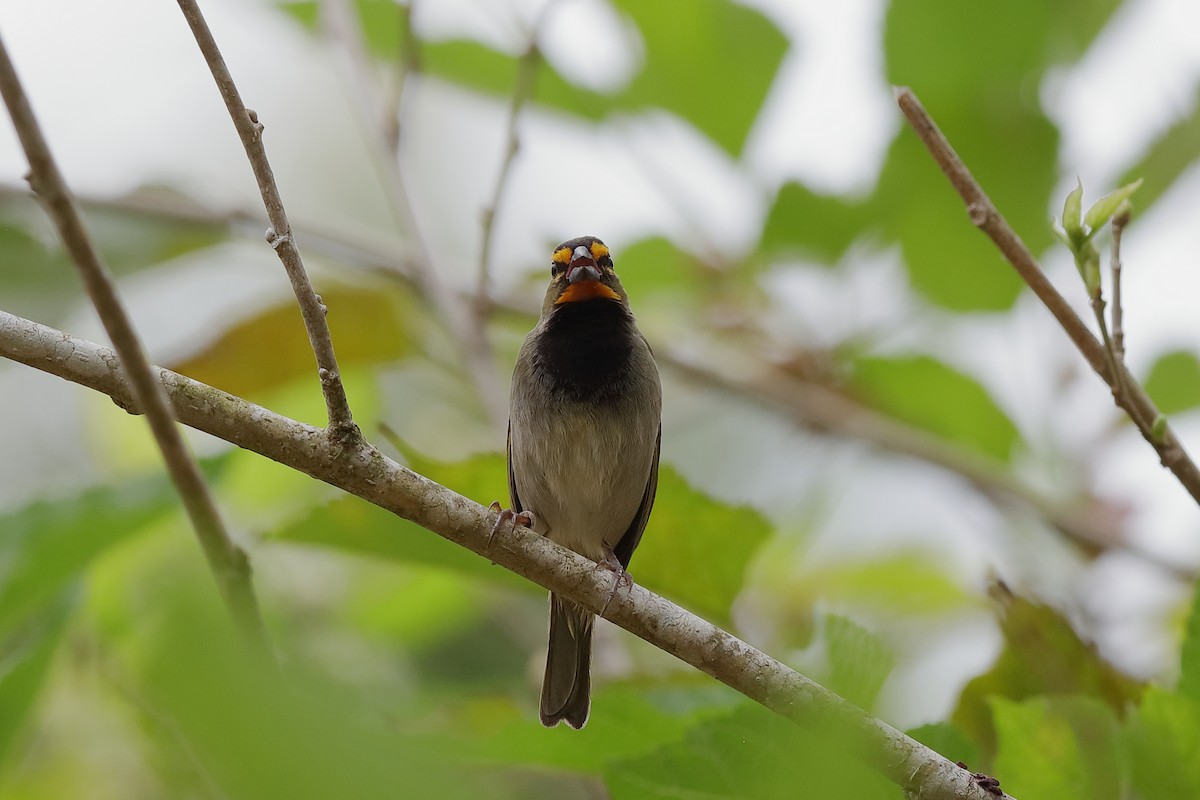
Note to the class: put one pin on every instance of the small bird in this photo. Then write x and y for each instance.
(584, 432)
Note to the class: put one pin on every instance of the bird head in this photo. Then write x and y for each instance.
(581, 271)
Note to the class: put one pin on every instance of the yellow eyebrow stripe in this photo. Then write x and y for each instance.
(562, 255)
(599, 251)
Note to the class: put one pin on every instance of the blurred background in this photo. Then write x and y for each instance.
(883, 462)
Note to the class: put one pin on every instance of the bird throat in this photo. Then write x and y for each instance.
(585, 349)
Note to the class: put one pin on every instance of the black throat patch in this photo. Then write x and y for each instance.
(585, 349)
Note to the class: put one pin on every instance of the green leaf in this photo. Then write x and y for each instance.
(654, 268)
(859, 660)
(807, 222)
(46, 545)
(355, 526)
(26, 658)
(306, 736)
(1163, 739)
(750, 753)
(973, 73)
(732, 51)
(1057, 750)
(1174, 381)
(696, 549)
(1189, 659)
(1071, 212)
(1042, 655)
(1100, 212)
(931, 395)
(269, 349)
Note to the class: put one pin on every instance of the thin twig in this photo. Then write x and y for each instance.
(408, 65)
(226, 560)
(1135, 402)
(523, 86)
(279, 235)
(362, 470)
(1120, 220)
(1096, 301)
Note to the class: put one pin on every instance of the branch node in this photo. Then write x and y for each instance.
(979, 214)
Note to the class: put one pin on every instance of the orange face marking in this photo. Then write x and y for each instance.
(586, 290)
(599, 251)
(562, 256)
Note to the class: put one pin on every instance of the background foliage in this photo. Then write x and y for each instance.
(865, 546)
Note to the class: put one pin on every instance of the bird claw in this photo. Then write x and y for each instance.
(620, 575)
(506, 516)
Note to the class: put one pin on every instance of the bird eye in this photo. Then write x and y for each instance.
(605, 261)
(555, 268)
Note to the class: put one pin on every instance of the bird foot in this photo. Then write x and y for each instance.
(621, 576)
(506, 516)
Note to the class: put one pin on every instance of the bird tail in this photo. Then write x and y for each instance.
(567, 687)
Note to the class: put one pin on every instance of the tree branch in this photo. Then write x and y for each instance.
(360, 469)
(1135, 402)
(279, 235)
(226, 560)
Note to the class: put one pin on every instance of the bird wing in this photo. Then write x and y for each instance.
(633, 534)
(512, 478)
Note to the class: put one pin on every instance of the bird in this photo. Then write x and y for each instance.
(584, 435)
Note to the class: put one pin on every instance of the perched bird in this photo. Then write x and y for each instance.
(583, 440)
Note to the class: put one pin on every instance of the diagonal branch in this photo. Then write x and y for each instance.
(1134, 401)
(227, 561)
(360, 469)
(279, 235)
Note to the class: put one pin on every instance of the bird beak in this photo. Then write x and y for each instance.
(583, 266)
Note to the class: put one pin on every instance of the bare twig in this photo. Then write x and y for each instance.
(527, 69)
(365, 472)
(1120, 220)
(407, 65)
(279, 235)
(226, 560)
(1135, 402)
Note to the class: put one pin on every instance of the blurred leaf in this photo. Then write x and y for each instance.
(750, 753)
(257, 736)
(356, 526)
(47, 544)
(947, 740)
(931, 395)
(709, 61)
(807, 222)
(1167, 159)
(270, 349)
(660, 715)
(25, 659)
(976, 74)
(696, 549)
(653, 267)
(1163, 738)
(859, 660)
(1189, 660)
(38, 279)
(1174, 381)
(1038, 756)
(1042, 655)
